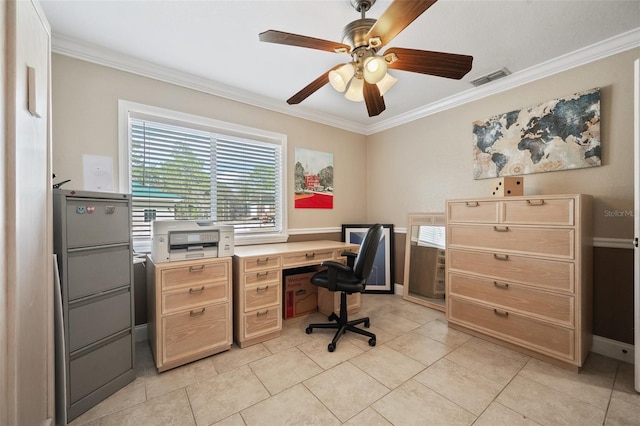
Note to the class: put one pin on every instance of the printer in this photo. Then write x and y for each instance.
(190, 239)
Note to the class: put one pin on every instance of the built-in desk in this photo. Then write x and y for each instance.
(257, 283)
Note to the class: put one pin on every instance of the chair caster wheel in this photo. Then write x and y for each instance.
(372, 341)
(308, 330)
(331, 347)
(332, 317)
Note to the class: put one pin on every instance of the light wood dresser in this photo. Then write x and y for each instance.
(257, 283)
(519, 271)
(189, 310)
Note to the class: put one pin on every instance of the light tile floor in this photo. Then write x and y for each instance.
(420, 373)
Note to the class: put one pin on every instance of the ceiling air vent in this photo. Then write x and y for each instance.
(491, 77)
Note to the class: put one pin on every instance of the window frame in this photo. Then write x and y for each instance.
(128, 109)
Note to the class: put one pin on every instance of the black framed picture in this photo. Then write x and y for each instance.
(381, 278)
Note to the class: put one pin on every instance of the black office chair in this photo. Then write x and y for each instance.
(349, 279)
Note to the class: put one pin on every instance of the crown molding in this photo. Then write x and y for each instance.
(80, 50)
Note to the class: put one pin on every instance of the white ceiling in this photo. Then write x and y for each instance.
(213, 46)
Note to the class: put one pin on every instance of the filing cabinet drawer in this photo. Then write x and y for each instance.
(261, 277)
(262, 321)
(518, 329)
(549, 242)
(261, 263)
(195, 273)
(261, 296)
(92, 370)
(473, 211)
(549, 274)
(540, 211)
(90, 322)
(193, 296)
(194, 331)
(93, 222)
(545, 305)
(308, 257)
(92, 271)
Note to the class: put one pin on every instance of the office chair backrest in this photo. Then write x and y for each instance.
(366, 256)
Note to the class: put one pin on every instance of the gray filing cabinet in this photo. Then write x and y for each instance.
(95, 341)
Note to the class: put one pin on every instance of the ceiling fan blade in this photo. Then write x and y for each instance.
(449, 65)
(396, 18)
(311, 88)
(280, 37)
(375, 102)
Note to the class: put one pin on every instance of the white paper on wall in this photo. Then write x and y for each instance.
(97, 173)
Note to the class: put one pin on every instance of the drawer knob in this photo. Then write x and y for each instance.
(262, 261)
(260, 275)
(501, 313)
(310, 255)
(196, 268)
(471, 203)
(194, 290)
(535, 202)
(501, 285)
(501, 228)
(198, 313)
(262, 289)
(501, 256)
(261, 314)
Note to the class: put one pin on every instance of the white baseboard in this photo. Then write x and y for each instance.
(613, 349)
(140, 333)
(398, 289)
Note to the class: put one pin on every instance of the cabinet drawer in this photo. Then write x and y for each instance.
(95, 271)
(90, 322)
(539, 241)
(509, 296)
(261, 263)
(193, 296)
(261, 277)
(546, 338)
(197, 330)
(549, 274)
(95, 369)
(190, 276)
(540, 211)
(263, 321)
(92, 222)
(308, 257)
(261, 296)
(473, 211)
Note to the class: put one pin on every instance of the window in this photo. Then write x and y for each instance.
(188, 167)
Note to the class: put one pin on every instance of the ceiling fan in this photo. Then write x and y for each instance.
(366, 74)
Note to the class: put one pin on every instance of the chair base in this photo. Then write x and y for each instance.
(342, 324)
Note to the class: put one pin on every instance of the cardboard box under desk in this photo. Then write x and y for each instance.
(300, 296)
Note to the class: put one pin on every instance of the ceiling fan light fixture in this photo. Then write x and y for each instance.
(374, 69)
(386, 83)
(355, 92)
(340, 78)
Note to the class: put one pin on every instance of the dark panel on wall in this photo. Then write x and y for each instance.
(400, 246)
(613, 293)
(140, 292)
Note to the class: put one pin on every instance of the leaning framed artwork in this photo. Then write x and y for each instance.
(381, 278)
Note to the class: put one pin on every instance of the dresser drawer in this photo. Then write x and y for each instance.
(190, 276)
(261, 277)
(509, 296)
(306, 257)
(261, 296)
(198, 330)
(558, 242)
(260, 263)
(473, 211)
(549, 274)
(540, 211)
(194, 296)
(518, 329)
(263, 321)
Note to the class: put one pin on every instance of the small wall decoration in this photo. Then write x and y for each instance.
(560, 134)
(313, 179)
(381, 278)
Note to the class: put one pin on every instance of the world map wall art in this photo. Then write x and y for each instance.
(561, 134)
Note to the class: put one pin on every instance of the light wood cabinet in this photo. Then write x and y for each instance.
(519, 271)
(257, 283)
(189, 310)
